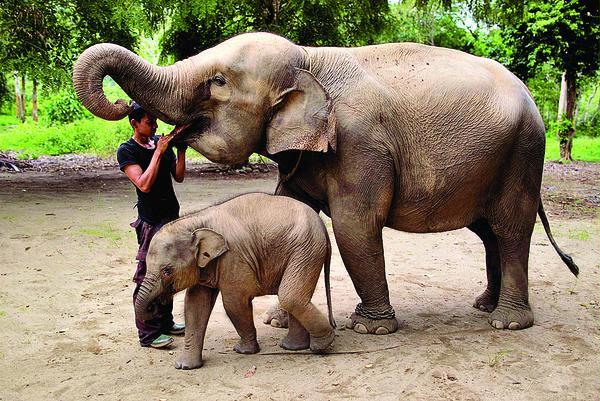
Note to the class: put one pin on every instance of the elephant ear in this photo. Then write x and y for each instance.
(303, 118)
(209, 245)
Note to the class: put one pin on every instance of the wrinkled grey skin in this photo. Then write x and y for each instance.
(413, 137)
(252, 245)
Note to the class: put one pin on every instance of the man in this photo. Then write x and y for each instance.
(149, 162)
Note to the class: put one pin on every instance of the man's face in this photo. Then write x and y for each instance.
(146, 126)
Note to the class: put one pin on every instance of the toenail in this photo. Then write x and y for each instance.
(382, 330)
(349, 324)
(514, 326)
(360, 328)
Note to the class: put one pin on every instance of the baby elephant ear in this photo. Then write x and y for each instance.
(209, 245)
(303, 118)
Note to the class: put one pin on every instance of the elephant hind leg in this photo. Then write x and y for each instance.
(488, 300)
(295, 292)
(297, 338)
(512, 217)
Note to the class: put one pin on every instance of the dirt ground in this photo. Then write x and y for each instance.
(67, 330)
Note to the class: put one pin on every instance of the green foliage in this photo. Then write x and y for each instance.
(93, 136)
(562, 32)
(197, 25)
(64, 107)
(4, 91)
(561, 128)
(42, 38)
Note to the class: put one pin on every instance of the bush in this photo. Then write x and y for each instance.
(93, 136)
(5, 93)
(64, 107)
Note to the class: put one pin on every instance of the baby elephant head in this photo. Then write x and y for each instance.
(173, 264)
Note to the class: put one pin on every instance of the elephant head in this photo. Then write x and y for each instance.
(251, 93)
(175, 261)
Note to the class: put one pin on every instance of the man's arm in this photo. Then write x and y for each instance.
(144, 180)
(178, 168)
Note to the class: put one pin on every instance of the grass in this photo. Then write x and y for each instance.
(103, 231)
(102, 138)
(498, 357)
(581, 235)
(585, 148)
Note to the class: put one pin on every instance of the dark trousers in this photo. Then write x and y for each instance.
(149, 330)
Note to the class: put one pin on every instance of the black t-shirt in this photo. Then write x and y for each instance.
(160, 204)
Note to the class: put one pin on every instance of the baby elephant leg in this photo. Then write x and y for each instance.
(297, 338)
(295, 297)
(239, 310)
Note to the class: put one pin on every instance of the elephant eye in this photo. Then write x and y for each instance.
(167, 271)
(219, 80)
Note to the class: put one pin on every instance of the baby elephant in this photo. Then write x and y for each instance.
(255, 244)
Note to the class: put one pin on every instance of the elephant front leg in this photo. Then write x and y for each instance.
(362, 253)
(198, 305)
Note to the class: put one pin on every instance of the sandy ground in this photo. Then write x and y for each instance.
(66, 319)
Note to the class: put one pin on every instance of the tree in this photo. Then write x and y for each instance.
(41, 39)
(197, 25)
(565, 34)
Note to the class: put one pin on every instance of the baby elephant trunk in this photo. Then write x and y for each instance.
(146, 302)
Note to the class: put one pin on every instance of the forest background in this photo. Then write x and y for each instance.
(552, 45)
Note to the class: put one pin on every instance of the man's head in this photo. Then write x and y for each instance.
(143, 123)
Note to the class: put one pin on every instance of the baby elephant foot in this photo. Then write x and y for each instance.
(364, 325)
(247, 347)
(276, 317)
(187, 362)
(512, 318)
(319, 345)
(486, 302)
(295, 343)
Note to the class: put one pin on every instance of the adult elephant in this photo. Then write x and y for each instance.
(416, 138)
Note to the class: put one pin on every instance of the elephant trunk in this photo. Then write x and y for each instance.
(162, 91)
(147, 297)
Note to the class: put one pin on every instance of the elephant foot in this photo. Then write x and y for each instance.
(295, 344)
(364, 325)
(512, 318)
(319, 345)
(187, 361)
(487, 301)
(276, 317)
(247, 347)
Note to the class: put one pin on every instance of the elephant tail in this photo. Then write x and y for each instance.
(567, 259)
(328, 282)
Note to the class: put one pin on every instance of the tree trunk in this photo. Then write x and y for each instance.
(18, 107)
(566, 106)
(34, 105)
(23, 108)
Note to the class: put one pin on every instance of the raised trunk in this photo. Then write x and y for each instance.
(566, 106)
(34, 105)
(163, 91)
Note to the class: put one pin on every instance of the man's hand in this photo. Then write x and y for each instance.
(181, 146)
(163, 144)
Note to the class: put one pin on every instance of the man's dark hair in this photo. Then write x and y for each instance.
(137, 112)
